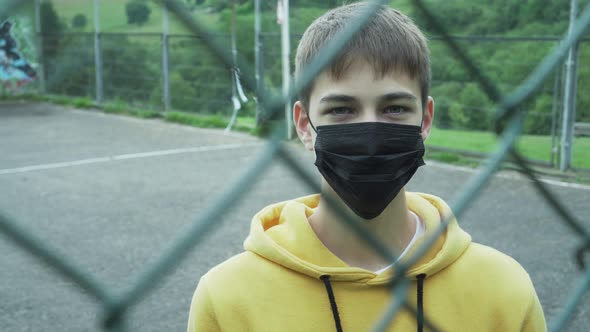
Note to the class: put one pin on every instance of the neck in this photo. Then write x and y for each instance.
(394, 228)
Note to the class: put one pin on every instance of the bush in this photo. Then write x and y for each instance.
(538, 120)
(138, 12)
(51, 27)
(182, 94)
(471, 110)
(79, 21)
(129, 71)
(444, 94)
(199, 81)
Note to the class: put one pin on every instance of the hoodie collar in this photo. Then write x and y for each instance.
(281, 233)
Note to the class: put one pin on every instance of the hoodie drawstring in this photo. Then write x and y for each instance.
(326, 280)
(419, 295)
(420, 303)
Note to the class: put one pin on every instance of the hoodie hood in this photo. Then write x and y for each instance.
(281, 233)
(287, 280)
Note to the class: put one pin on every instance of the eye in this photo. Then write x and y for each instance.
(339, 111)
(395, 109)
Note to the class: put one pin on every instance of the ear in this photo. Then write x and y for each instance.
(428, 118)
(301, 121)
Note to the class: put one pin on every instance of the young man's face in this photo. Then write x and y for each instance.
(362, 96)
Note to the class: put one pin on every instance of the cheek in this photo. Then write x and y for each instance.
(312, 141)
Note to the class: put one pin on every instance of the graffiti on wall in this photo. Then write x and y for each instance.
(15, 70)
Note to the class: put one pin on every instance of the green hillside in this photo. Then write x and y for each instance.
(114, 19)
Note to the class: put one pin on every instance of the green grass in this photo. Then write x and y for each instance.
(82, 102)
(113, 107)
(247, 121)
(451, 158)
(114, 19)
(244, 124)
(531, 146)
(78, 102)
(120, 107)
(202, 121)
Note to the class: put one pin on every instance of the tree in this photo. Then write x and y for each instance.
(470, 109)
(538, 120)
(50, 22)
(476, 107)
(138, 12)
(445, 95)
(51, 30)
(79, 21)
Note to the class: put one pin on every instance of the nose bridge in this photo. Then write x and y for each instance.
(369, 113)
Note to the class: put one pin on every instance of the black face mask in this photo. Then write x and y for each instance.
(368, 163)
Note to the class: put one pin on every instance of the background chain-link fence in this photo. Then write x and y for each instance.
(132, 70)
(126, 80)
(140, 73)
(461, 104)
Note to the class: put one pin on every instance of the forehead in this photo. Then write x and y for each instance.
(362, 81)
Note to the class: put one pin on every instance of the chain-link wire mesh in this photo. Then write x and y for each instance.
(461, 105)
(131, 70)
(203, 80)
(509, 121)
(64, 53)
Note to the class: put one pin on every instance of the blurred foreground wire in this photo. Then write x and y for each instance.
(509, 124)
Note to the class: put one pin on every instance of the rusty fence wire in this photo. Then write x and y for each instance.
(509, 120)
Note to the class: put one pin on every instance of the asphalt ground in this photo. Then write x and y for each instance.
(112, 193)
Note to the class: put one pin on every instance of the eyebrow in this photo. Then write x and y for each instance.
(386, 97)
(337, 98)
(398, 95)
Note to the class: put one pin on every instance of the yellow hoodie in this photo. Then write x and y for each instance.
(287, 280)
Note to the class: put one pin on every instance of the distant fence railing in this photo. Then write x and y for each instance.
(133, 71)
(582, 129)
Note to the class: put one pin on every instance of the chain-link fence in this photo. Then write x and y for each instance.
(509, 120)
(199, 81)
(461, 104)
(132, 70)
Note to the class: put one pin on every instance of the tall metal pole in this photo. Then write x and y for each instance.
(286, 46)
(569, 103)
(165, 61)
(257, 62)
(40, 55)
(234, 54)
(97, 54)
(554, 111)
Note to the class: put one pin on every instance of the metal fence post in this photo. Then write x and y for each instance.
(258, 61)
(165, 61)
(97, 54)
(286, 51)
(39, 43)
(554, 117)
(569, 103)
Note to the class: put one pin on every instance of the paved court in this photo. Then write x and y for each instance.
(112, 192)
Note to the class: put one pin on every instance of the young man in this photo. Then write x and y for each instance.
(365, 117)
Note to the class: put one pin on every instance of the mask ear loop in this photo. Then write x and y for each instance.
(311, 123)
(422, 121)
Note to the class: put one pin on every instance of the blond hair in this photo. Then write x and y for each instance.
(389, 41)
